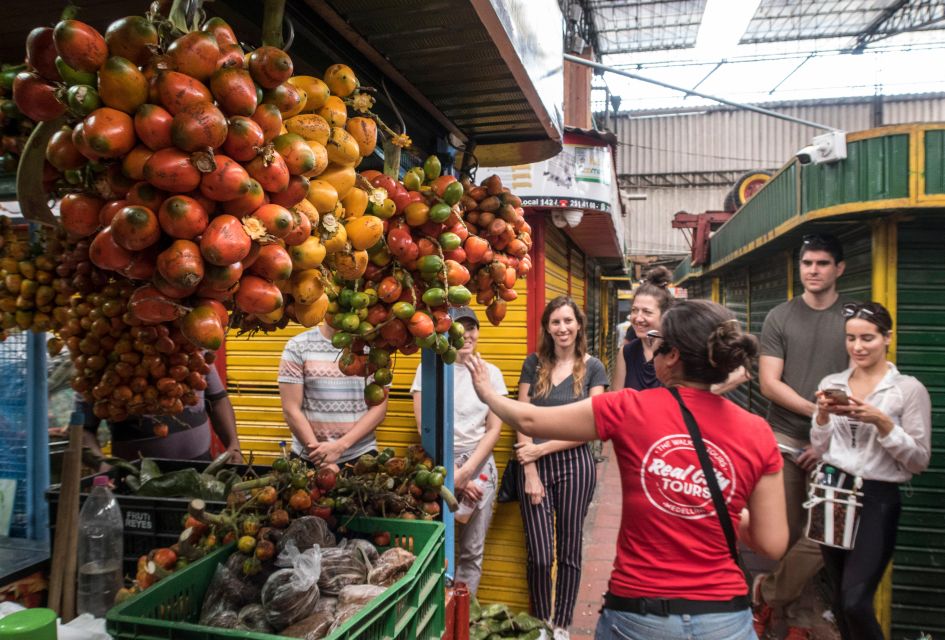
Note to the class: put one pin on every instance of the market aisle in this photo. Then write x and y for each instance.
(600, 542)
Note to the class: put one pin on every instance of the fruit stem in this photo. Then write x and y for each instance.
(391, 159)
(263, 481)
(273, 13)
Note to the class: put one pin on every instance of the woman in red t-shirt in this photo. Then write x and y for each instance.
(673, 576)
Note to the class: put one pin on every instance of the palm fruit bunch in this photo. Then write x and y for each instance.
(217, 189)
(15, 127)
(27, 271)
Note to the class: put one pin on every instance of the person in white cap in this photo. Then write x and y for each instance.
(475, 432)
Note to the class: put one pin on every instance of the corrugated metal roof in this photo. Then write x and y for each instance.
(724, 139)
(728, 139)
(649, 230)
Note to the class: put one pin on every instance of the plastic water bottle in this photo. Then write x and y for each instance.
(100, 550)
(468, 505)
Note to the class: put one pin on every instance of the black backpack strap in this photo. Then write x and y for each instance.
(721, 510)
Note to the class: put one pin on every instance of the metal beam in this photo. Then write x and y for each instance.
(793, 71)
(718, 178)
(903, 16)
(706, 76)
(688, 92)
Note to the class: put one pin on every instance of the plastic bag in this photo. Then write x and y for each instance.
(346, 564)
(291, 594)
(306, 532)
(252, 617)
(351, 600)
(391, 566)
(317, 625)
(367, 549)
(225, 596)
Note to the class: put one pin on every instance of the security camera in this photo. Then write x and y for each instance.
(829, 147)
(807, 154)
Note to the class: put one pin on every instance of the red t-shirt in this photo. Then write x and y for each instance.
(671, 544)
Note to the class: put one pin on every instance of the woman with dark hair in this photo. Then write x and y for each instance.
(673, 575)
(558, 475)
(634, 368)
(874, 423)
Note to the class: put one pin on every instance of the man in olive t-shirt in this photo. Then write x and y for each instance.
(802, 341)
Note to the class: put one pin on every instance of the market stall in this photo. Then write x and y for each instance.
(210, 188)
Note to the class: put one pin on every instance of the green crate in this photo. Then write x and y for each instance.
(413, 607)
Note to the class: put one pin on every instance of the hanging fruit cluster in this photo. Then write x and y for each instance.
(417, 253)
(14, 126)
(210, 187)
(27, 273)
(165, 229)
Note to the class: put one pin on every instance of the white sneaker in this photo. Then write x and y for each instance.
(561, 633)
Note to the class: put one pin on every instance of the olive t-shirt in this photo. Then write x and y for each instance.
(812, 344)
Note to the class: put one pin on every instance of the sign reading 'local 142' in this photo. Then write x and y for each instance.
(580, 177)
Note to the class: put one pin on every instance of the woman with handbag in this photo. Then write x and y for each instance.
(681, 451)
(874, 423)
(558, 475)
(634, 368)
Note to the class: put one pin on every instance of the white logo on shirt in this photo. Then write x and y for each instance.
(673, 481)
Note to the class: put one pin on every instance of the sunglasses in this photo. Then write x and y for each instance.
(664, 347)
(854, 309)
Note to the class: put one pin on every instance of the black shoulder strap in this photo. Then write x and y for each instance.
(721, 510)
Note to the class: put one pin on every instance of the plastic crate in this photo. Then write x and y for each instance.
(150, 523)
(413, 607)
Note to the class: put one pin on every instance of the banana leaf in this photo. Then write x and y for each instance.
(496, 610)
(475, 610)
(149, 470)
(525, 622)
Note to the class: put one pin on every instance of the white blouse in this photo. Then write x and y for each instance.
(858, 448)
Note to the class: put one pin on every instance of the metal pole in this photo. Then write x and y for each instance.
(37, 437)
(690, 92)
(436, 430)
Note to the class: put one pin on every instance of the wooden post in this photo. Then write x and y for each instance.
(63, 571)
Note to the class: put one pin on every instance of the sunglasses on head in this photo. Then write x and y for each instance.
(854, 309)
(664, 347)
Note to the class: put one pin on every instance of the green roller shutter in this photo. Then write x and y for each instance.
(699, 289)
(769, 278)
(735, 297)
(919, 563)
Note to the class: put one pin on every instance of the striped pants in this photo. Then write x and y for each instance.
(569, 478)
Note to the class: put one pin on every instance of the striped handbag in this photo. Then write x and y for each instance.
(834, 501)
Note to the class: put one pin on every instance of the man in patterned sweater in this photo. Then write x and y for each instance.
(324, 408)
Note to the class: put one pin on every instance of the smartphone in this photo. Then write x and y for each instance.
(789, 451)
(837, 396)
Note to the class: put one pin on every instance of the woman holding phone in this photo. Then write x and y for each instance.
(875, 423)
(674, 577)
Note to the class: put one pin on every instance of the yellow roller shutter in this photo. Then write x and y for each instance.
(556, 264)
(578, 283)
(252, 368)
